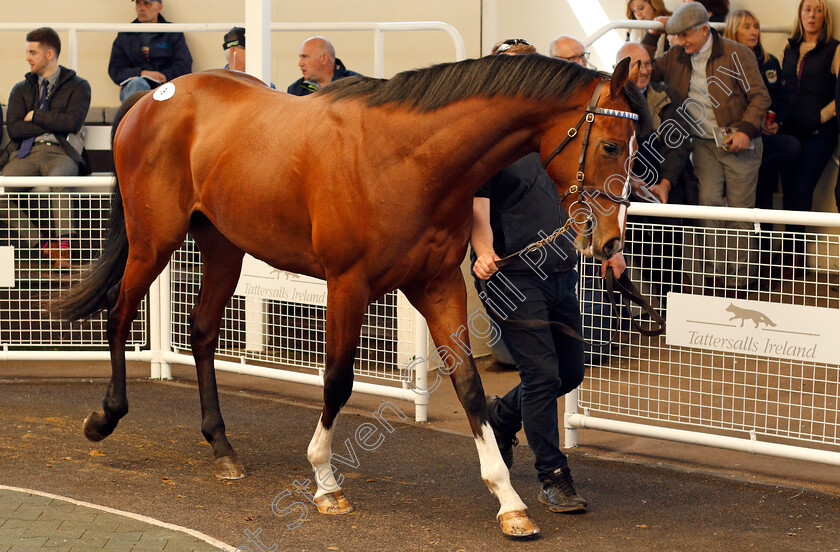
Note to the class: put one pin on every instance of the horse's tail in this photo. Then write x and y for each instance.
(89, 296)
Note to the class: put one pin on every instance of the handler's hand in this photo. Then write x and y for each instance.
(485, 265)
(616, 263)
(28, 116)
(738, 142)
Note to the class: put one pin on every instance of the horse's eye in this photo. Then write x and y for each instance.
(611, 149)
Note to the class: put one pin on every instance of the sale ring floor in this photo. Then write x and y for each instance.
(149, 486)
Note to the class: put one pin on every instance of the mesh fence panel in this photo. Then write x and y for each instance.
(33, 224)
(646, 379)
(290, 333)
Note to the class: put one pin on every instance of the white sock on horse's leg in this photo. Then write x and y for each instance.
(494, 472)
(319, 453)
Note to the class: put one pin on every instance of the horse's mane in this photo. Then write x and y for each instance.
(531, 76)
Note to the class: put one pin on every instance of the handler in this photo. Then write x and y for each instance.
(509, 212)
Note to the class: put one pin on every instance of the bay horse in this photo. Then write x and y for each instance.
(368, 185)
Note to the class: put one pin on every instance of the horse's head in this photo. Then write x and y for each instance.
(591, 175)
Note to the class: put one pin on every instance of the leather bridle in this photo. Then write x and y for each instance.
(588, 117)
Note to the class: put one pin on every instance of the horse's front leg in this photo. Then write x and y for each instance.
(443, 304)
(346, 304)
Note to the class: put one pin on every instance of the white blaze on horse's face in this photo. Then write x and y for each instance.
(625, 194)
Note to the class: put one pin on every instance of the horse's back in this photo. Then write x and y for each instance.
(204, 145)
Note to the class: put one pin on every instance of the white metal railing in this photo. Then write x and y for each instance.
(728, 399)
(394, 333)
(635, 24)
(378, 28)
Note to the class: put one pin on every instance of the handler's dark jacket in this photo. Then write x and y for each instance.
(810, 90)
(303, 87)
(68, 106)
(523, 202)
(168, 54)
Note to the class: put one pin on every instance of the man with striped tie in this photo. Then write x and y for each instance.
(46, 113)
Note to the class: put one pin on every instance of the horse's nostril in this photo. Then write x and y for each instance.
(612, 247)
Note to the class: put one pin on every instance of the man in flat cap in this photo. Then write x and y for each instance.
(142, 60)
(724, 101)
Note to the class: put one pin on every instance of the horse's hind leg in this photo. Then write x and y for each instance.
(222, 263)
(443, 304)
(141, 268)
(346, 304)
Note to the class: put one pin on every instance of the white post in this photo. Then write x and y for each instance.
(165, 294)
(378, 53)
(154, 327)
(258, 30)
(570, 410)
(255, 324)
(421, 375)
(73, 49)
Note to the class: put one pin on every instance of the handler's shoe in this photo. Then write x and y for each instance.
(560, 495)
(504, 439)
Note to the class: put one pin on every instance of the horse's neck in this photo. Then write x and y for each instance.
(481, 136)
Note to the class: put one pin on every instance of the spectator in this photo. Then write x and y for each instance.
(319, 66)
(142, 61)
(725, 98)
(648, 10)
(569, 49)
(509, 211)
(513, 47)
(45, 117)
(809, 71)
(234, 48)
(663, 168)
(743, 26)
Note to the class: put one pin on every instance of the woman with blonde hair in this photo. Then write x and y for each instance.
(809, 70)
(743, 26)
(647, 10)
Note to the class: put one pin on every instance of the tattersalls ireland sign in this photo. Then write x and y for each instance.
(792, 332)
(261, 281)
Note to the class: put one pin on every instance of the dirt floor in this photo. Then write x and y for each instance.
(420, 490)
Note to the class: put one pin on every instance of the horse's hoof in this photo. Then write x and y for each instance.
(333, 503)
(228, 467)
(517, 524)
(96, 428)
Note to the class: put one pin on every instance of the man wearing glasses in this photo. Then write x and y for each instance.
(569, 49)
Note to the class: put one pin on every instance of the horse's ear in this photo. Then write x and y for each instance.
(620, 76)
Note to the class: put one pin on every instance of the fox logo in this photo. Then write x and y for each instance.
(746, 314)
